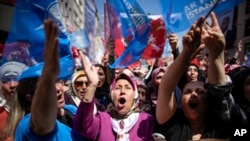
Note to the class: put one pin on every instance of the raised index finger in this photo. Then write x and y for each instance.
(214, 20)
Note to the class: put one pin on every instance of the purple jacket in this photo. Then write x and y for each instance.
(99, 127)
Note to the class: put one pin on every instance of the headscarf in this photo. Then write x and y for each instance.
(183, 80)
(11, 68)
(76, 75)
(153, 94)
(113, 111)
(122, 124)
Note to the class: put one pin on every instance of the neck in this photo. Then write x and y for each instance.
(61, 112)
(197, 126)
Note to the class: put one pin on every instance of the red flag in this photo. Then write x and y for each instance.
(156, 41)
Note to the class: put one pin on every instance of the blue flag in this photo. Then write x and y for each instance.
(179, 15)
(26, 37)
(66, 67)
(135, 30)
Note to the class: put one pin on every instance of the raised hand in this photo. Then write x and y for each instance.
(173, 40)
(213, 37)
(51, 54)
(91, 71)
(192, 39)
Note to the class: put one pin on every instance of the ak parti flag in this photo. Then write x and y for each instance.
(26, 39)
(179, 15)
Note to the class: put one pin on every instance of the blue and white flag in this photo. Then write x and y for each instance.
(179, 15)
(26, 37)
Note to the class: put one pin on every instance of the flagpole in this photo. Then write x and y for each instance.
(216, 3)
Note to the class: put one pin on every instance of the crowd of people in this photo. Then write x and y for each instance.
(198, 96)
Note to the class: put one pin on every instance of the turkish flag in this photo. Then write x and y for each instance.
(156, 40)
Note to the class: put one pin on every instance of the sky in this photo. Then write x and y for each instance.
(149, 6)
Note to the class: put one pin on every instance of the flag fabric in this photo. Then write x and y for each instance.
(92, 26)
(132, 24)
(107, 31)
(26, 39)
(66, 66)
(179, 15)
(79, 39)
(157, 40)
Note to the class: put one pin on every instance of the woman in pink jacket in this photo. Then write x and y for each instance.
(123, 122)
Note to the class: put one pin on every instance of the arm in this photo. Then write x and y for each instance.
(166, 104)
(44, 104)
(85, 123)
(215, 43)
(219, 85)
(111, 60)
(173, 41)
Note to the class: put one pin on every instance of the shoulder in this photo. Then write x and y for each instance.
(146, 117)
(24, 132)
(71, 108)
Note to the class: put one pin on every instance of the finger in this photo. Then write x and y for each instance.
(46, 27)
(85, 65)
(206, 26)
(191, 33)
(214, 20)
(200, 22)
(187, 39)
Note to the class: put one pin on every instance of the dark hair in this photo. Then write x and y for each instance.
(26, 86)
(238, 77)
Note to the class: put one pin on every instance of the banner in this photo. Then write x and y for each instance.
(179, 15)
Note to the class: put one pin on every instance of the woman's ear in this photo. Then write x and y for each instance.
(29, 97)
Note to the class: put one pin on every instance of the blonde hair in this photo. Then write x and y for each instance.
(15, 115)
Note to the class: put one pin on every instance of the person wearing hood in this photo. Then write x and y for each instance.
(123, 122)
(192, 73)
(78, 87)
(9, 73)
(155, 82)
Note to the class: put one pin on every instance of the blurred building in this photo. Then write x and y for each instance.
(73, 14)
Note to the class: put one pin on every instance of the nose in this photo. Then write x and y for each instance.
(122, 91)
(194, 94)
(192, 71)
(13, 85)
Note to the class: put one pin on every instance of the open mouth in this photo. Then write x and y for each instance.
(122, 100)
(193, 105)
(59, 97)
